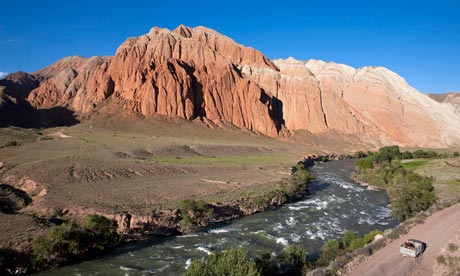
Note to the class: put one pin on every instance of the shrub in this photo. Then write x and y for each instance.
(441, 259)
(101, 230)
(69, 239)
(59, 243)
(456, 154)
(329, 251)
(195, 213)
(266, 264)
(359, 154)
(369, 237)
(365, 163)
(292, 260)
(387, 154)
(407, 155)
(424, 154)
(230, 262)
(410, 201)
(408, 191)
(10, 143)
(348, 239)
(453, 247)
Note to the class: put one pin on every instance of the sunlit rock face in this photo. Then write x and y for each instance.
(198, 73)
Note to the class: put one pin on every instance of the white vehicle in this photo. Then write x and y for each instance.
(412, 248)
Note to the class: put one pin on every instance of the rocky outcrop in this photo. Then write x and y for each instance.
(370, 102)
(198, 73)
(186, 73)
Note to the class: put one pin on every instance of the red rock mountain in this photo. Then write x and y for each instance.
(198, 73)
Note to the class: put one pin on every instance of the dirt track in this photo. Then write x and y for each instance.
(436, 232)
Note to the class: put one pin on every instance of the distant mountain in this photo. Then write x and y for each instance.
(198, 73)
(451, 100)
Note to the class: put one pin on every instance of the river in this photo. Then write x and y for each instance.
(336, 204)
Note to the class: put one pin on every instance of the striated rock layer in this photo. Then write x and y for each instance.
(372, 102)
(198, 73)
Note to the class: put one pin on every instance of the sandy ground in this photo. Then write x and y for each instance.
(450, 262)
(436, 232)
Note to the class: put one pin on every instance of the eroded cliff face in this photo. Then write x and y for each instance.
(198, 73)
(370, 102)
(186, 73)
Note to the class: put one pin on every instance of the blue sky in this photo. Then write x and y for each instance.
(420, 40)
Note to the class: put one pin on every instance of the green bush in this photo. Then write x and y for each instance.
(59, 243)
(101, 230)
(424, 154)
(195, 213)
(69, 239)
(230, 262)
(407, 155)
(369, 237)
(348, 239)
(408, 201)
(351, 241)
(365, 163)
(329, 251)
(387, 154)
(408, 191)
(267, 264)
(291, 261)
(456, 154)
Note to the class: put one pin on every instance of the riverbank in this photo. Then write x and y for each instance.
(186, 219)
(445, 175)
(324, 214)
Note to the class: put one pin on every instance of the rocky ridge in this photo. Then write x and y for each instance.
(195, 73)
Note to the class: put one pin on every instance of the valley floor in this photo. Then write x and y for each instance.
(132, 165)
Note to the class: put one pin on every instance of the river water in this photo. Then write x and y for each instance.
(336, 204)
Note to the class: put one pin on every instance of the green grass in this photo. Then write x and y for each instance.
(414, 164)
(454, 182)
(222, 160)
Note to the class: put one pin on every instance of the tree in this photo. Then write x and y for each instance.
(387, 154)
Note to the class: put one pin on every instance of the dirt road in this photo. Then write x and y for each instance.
(436, 232)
